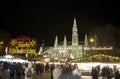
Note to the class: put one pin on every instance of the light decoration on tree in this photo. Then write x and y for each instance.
(98, 57)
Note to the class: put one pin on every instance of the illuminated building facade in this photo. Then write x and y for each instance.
(74, 50)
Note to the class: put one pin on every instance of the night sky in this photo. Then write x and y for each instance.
(47, 19)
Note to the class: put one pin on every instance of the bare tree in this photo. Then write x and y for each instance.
(4, 41)
(105, 35)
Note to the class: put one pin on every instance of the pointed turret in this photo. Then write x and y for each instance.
(74, 25)
(56, 42)
(95, 40)
(40, 50)
(75, 34)
(86, 41)
(65, 41)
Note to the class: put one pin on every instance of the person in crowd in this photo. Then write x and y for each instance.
(98, 68)
(26, 70)
(47, 67)
(1, 69)
(116, 73)
(56, 72)
(12, 70)
(5, 72)
(95, 73)
(66, 71)
(19, 70)
(109, 72)
(37, 67)
(52, 66)
(6, 65)
(24, 65)
(76, 72)
(41, 68)
(103, 73)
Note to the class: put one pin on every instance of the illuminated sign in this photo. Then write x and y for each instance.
(22, 45)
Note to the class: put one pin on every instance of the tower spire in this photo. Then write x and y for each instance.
(86, 41)
(65, 41)
(75, 33)
(56, 42)
(95, 40)
(74, 25)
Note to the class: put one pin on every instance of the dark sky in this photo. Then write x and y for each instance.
(47, 19)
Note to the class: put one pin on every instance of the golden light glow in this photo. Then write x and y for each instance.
(1, 42)
(91, 40)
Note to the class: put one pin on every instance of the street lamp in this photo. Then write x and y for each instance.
(1, 47)
(92, 40)
(1, 42)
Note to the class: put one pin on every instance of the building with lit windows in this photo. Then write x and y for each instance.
(75, 50)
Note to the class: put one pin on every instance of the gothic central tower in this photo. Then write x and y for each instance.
(75, 34)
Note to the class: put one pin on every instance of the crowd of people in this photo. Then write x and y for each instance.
(106, 72)
(57, 71)
(16, 70)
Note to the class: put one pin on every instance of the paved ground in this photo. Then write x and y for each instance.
(46, 75)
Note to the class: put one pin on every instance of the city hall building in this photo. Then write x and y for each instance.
(73, 50)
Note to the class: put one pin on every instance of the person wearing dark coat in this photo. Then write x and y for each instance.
(52, 66)
(12, 70)
(104, 73)
(19, 70)
(116, 73)
(95, 73)
(47, 67)
(37, 66)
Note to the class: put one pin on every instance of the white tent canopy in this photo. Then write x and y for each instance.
(10, 58)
